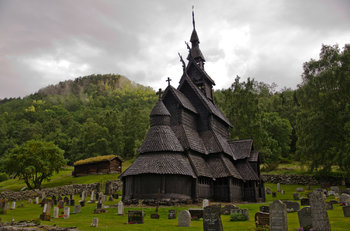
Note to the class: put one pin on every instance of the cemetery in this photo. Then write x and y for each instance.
(118, 216)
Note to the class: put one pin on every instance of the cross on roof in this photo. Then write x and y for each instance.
(159, 93)
(168, 80)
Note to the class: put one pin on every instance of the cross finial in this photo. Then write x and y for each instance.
(159, 93)
(168, 80)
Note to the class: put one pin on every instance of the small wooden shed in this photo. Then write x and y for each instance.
(98, 165)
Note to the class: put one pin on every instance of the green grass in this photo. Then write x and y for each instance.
(110, 221)
(64, 177)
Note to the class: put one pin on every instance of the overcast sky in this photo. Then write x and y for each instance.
(43, 42)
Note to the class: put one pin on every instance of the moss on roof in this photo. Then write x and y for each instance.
(94, 159)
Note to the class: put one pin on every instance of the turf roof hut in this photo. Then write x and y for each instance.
(98, 165)
(187, 153)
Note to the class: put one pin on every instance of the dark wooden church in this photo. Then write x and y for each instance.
(187, 153)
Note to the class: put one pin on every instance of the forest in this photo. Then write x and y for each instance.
(108, 114)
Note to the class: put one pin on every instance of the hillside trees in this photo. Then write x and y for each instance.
(34, 161)
(323, 123)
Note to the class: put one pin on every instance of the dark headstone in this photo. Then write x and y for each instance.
(3, 206)
(346, 211)
(268, 190)
(292, 206)
(196, 213)
(154, 216)
(334, 201)
(274, 194)
(135, 217)
(82, 203)
(99, 206)
(296, 196)
(262, 219)
(172, 214)
(278, 216)
(265, 209)
(115, 196)
(305, 219)
(319, 214)
(72, 202)
(211, 218)
(66, 200)
(304, 201)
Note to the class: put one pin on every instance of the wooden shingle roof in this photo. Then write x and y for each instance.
(160, 138)
(159, 109)
(241, 148)
(245, 170)
(182, 99)
(160, 163)
(189, 138)
(201, 167)
(254, 156)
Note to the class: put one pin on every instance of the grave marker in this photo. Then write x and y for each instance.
(45, 216)
(13, 205)
(205, 203)
(196, 214)
(262, 219)
(304, 201)
(265, 209)
(278, 187)
(66, 212)
(274, 194)
(36, 200)
(318, 212)
(244, 212)
(184, 219)
(56, 212)
(212, 219)
(77, 209)
(120, 208)
(292, 206)
(296, 196)
(346, 211)
(135, 217)
(305, 219)
(268, 190)
(3, 206)
(278, 216)
(300, 189)
(172, 214)
(94, 222)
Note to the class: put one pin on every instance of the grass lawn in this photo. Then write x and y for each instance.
(110, 221)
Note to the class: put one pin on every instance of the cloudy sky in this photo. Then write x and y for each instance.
(43, 42)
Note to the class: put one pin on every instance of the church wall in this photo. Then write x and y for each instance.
(208, 91)
(221, 189)
(153, 186)
(235, 190)
(219, 127)
(203, 118)
(204, 188)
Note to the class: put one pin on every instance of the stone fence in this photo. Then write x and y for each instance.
(63, 190)
(299, 179)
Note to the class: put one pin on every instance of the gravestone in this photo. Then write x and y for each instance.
(335, 189)
(343, 197)
(304, 201)
(110, 198)
(172, 214)
(83, 195)
(329, 205)
(308, 187)
(226, 210)
(108, 190)
(346, 211)
(135, 217)
(92, 197)
(278, 187)
(184, 219)
(292, 206)
(56, 211)
(283, 192)
(268, 190)
(265, 209)
(43, 195)
(66, 200)
(319, 214)
(60, 204)
(59, 198)
(262, 219)
(296, 196)
(334, 201)
(30, 201)
(54, 200)
(77, 209)
(278, 216)
(205, 203)
(244, 212)
(94, 222)
(82, 203)
(212, 219)
(21, 205)
(120, 208)
(66, 212)
(154, 216)
(36, 200)
(196, 214)
(305, 219)
(3, 206)
(13, 205)
(274, 194)
(71, 200)
(115, 196)
(45, 216)
(300, 189)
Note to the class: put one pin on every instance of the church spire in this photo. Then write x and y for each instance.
(195, 52)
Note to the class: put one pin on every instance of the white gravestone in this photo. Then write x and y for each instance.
(56, 211)
(205, 203)
(66, 213)
(120, 208)
(13, 206)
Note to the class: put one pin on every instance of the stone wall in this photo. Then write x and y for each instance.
(63, 190)
(297, 179)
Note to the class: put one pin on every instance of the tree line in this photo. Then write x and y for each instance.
(108, 114)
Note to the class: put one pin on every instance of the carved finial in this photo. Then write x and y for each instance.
(194, 24)
(168, 80)
(188, 46)
(159, 93)
(183, 62)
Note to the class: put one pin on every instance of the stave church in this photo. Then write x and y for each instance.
(187, 153)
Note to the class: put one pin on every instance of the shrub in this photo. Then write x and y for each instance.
(3, 177)
(238, 217)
